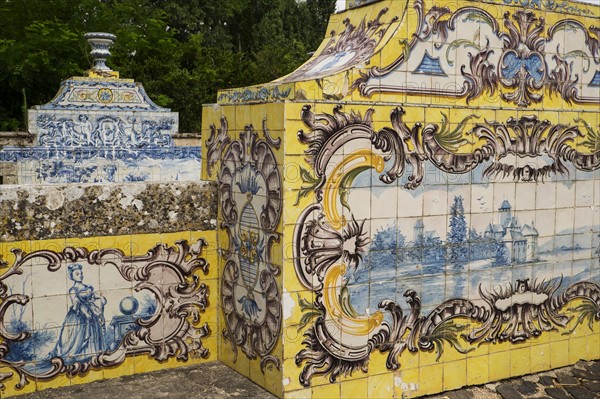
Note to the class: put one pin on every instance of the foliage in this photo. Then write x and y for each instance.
(183, 51)
(387, 247)
(592, 141)
(28, 349)
(309, 312)
(312, 182)
(451, 140)
(588, 311)
(447, 331)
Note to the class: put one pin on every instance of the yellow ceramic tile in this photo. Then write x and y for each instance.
(145, 242)
(122, 243)
(211, 344)
(145, 364)
(291, 374)
(56, 245)
(500, 347)
(406, 383)
(409, 360)
(89, 243)
(357, 388)
(90, 376)
(577, 349)
(499, 365)
(10, 385)
(226, 353)
(6, 254)
(273, 380)
(125, 368)
(170, 239)
(593, 346)
(328, 391)
(60, 381)
(300, 394)
(520, 361)
(290, 280)
(242, 364)
(455, 374)
(293, 332)
(559, 354)
(209, 253)
(478, 370)
(540, 358)
(428, 358)
(250, 115)
(256, 375)
(211, 312)
(277, 251)
(431, 379)
(381, 386)
(377, 363)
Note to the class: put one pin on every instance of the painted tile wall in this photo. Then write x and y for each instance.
(243, 154)
(100, 129)
(107, 240)
(441, 196)
(106, 299)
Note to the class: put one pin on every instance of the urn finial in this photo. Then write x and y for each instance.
(101, 43)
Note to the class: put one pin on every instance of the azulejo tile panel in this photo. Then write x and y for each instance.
(467, 52)
(247, 168)
(102, 130)
(69, 310)
(397, 279)
(440, 207)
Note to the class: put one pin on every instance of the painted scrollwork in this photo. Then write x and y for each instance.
(173, 329)
(250, 201)
(218, 139)
(520, 61)
(329, 246)
(354, 45)
(527, 138)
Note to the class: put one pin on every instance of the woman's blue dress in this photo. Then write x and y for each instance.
(82, 330)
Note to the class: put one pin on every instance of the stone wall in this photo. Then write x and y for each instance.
(107, 240)
(104, 280)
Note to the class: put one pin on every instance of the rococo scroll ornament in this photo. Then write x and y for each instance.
(250, 201)
(151, 305)
(332, 247)
(520, 61)
(353, 46)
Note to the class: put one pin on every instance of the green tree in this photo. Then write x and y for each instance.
(183, 51)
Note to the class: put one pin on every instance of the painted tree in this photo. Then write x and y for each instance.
(387, 247)
(501, 256)
(457, 236)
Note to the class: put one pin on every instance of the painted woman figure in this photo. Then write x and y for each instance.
(82, 331)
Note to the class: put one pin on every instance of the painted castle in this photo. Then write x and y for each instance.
(521, 241)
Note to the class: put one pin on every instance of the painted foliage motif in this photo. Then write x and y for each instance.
(392, 276)
(116, 306)
(250, 202)
(466, 53)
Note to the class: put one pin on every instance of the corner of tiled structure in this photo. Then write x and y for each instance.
(416, 208)
(107, 239)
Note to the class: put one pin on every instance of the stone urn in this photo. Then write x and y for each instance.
(101, 43)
